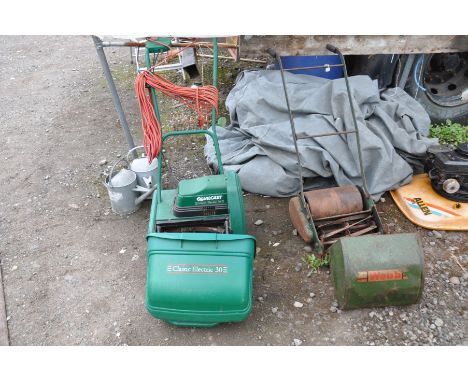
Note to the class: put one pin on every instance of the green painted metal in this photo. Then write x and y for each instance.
(152, 47)
(160, 45)
(199, 279)
(215, 83)
(154, 98)
(377, 270)
(214, 137)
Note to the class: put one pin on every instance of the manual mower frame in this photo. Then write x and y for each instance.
(368, 202)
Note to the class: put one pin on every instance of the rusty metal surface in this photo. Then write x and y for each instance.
(255, 46)
(299, 220)
(347, 225)
(337, 212)
(334, 201)
(196, 44)
(332, 228)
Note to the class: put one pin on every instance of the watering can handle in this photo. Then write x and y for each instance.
(113, 167)
(133, 149)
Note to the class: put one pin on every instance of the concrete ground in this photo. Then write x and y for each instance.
(74, 273)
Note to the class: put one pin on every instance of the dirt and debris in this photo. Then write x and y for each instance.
(74, 273)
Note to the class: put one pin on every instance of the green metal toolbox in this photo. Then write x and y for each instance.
(377, 270)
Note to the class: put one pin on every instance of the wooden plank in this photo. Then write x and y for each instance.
(3, 318)
(255, 46)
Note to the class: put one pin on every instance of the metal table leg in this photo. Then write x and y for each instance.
(113, 90)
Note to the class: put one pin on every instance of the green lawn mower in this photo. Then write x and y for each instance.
(200, 259)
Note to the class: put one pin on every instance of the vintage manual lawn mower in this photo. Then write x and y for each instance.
(368, 268)
(199, 257)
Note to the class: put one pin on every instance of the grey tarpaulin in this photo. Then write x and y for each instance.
(258, 143)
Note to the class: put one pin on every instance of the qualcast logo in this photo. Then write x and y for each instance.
(209, 198)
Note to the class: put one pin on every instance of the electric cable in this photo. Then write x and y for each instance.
(200, 99)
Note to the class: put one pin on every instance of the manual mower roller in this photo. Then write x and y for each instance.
(200, 260)
(370, 270)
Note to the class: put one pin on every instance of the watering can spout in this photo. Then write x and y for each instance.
(142, 197)
(130, 186)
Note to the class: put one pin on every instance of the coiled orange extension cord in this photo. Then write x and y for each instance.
(200, 99)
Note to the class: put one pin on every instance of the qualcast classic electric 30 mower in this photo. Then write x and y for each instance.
(200, 259)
